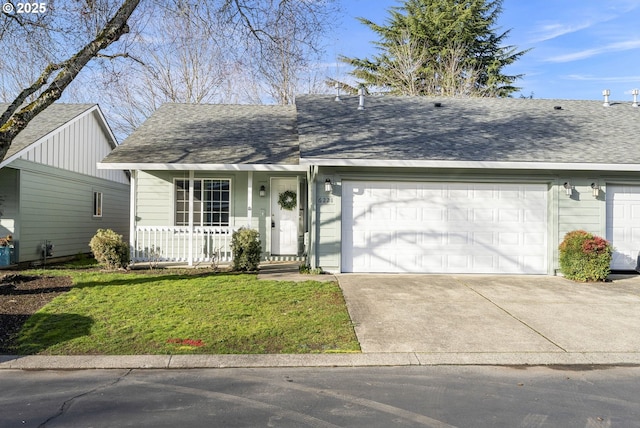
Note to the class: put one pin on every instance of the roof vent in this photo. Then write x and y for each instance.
(337, 92)
(557, 107)
(437, 104)
(606, 94)
(361, 104)
(635, 93)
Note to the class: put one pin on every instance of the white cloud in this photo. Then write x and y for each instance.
(587, 53)
(551, 31)
(590, 78)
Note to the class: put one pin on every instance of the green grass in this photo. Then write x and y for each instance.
(163, 312)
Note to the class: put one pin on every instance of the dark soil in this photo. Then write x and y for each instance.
(20, 297)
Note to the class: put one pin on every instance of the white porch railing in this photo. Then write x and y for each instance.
(178, 244)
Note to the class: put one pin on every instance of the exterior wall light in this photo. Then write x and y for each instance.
(328, 187)
(595, 190)
(568, 188)
(263, 191)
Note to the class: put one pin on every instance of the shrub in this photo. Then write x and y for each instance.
(245, 244)
(585, 257)
(109, 249)
(305, 269)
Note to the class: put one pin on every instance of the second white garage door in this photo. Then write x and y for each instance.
(623, 225)
(444, 227)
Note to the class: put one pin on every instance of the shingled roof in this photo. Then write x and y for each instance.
(320, 130)
(468, 129)
(213, 134)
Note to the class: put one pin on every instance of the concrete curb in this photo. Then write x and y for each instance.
(38, 362)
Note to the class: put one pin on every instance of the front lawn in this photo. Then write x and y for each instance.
(166, 312)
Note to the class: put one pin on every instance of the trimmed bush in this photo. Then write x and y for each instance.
(585, 257)
(246, 247)
(109, 249)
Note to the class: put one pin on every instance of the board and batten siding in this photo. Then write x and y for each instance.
(57, 206)
(77, 147)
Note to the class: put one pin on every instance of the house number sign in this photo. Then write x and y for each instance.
(325, 200)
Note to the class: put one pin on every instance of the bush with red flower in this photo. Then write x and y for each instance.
(585, 257)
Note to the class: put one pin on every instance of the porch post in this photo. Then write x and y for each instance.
(191, 195)
(311, 251)
(132, 216)
(249, 197)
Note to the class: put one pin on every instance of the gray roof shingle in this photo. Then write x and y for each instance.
(389, 128)
(475, 129)
(213, 134)
(50, 119)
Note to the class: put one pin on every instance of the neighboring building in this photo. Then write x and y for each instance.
(51, 191)
(476, 185)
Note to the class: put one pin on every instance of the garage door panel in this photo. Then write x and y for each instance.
(532, 238)
(444, 227)
(509, 216)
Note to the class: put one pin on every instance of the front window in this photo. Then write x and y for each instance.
(97, 204)
(211, 202)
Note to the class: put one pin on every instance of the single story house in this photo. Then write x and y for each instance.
(52, 195)
(387, 184)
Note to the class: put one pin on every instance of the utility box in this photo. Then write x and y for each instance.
(5, 256)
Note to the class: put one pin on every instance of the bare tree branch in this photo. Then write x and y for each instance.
(67, 71)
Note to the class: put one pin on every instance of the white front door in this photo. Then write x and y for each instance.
(284, 222)
(623, 225)
(444, 227)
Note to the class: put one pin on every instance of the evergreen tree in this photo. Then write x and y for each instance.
(440, 47)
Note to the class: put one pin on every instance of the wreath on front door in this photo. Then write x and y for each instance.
(287, 200)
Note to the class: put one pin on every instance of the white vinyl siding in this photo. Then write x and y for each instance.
(55, 206)
(444, 227)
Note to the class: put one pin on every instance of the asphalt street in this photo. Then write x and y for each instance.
(436, 396)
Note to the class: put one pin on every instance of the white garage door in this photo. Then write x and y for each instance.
(444, 227)
(623, 225)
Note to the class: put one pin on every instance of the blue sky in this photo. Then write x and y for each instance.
(578, 47)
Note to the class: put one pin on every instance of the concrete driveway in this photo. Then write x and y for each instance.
(493, 314)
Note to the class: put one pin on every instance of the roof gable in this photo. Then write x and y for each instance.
(73, 137)
(50, 120)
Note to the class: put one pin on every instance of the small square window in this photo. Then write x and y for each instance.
(97, 204)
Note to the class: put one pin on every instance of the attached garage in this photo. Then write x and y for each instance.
(435, 227)
(623, 225)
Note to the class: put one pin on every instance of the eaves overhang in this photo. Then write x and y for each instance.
(456, 164)
(200, 167)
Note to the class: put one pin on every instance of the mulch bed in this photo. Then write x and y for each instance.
(20, 297)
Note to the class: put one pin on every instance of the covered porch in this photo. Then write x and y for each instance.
(190, 216)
